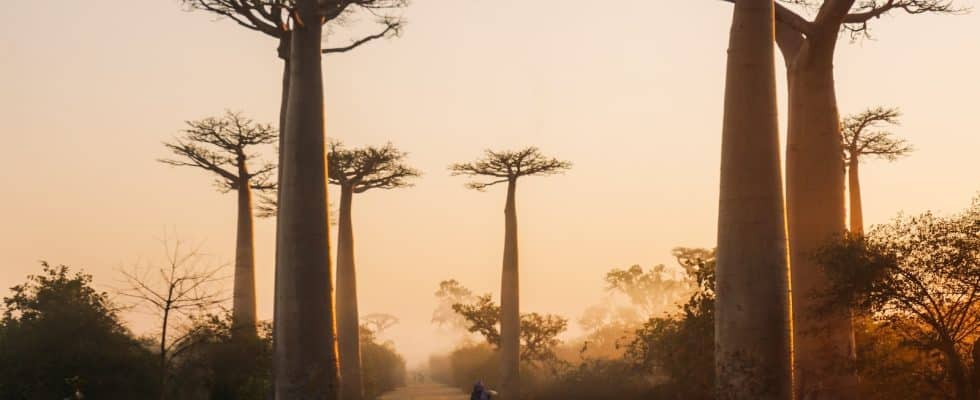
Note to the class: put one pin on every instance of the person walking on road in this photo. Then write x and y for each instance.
(480, 392)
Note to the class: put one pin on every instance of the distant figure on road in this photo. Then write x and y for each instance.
(480, 392)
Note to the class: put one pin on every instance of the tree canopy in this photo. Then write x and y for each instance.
(539, 332)
(367, 168)
(222, 146)
(507, 166)
(853, 16)
(863, 135)
(920, 277)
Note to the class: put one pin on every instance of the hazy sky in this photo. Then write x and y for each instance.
(632, 94)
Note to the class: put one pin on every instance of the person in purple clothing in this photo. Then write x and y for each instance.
(480, 392)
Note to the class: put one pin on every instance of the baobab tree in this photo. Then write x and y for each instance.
(863, 139)
(451, 292)
(752, 342)
(223, 146)
(379, 323)
(357, 171)
(304, 352)
(507, 167)
(814, 183)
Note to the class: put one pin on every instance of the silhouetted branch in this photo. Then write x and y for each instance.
(853, 16)
(391, 26)
(179, 287)
(857, 21)
(203, 158)
(267, 208)
(272, 17)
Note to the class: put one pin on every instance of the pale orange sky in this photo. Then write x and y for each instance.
(631, 94)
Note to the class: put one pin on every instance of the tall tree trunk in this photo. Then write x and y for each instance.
(305, 353)
(164, 371)
(957, 372)
(283, 51)
(823, 346)
(854, 193)
(752, 316)
(510, 304)
(243, 298)
(348, 326)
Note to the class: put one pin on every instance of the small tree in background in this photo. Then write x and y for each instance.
(213, 363)
(451, 292)
(357, 171)
(539, 333)
(675, 345)
(863, 138)
(507, 167)
(383, 368)
(224, 147)
(177, 290)
(655, 291)
(378, 323)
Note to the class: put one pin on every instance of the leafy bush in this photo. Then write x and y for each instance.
(60, 338)
(211, 364)
(382, 368)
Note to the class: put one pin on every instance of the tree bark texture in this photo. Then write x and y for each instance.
(348, 321)
(305, 352)
(752, 341)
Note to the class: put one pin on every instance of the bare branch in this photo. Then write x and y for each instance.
(856, 23)
(266, 16)
(179, 287)
(268, 208)
(392, 27)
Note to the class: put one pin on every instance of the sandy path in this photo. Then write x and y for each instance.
(426, 391)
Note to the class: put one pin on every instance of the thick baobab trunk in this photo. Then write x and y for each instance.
(510, 304)
(854, 194)
(243, 298)
(752, 330)
(348, 326)
(305, 353)
(823, 348)
(283, 52)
